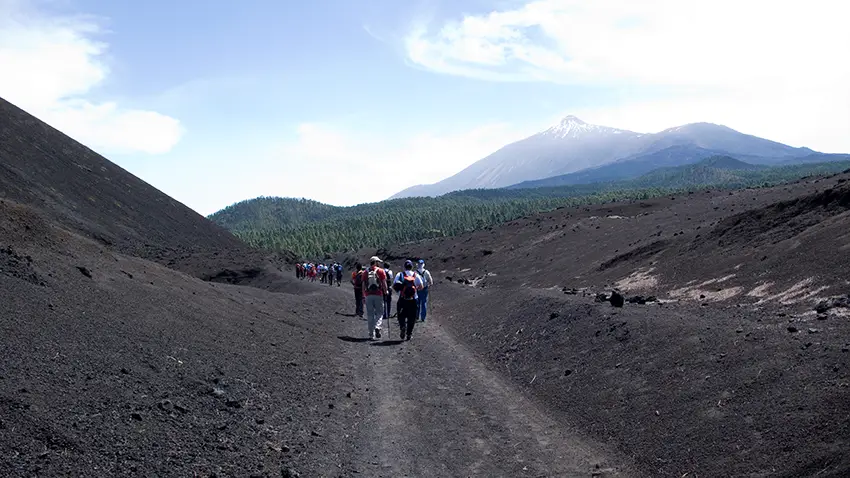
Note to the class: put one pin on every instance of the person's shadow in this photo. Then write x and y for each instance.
(387, 343)
(345, 315)
(357, 340)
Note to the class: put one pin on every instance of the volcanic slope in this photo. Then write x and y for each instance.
(731, 372)
(124, 355)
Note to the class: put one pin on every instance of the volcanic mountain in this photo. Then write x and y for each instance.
(573, 146)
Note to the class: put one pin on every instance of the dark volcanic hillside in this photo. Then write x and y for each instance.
(740, 368)
(81, 190)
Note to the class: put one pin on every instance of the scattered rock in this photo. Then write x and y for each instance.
(637, 299)
(165, 405)
(233, 403)
(833, 302)
(315, 433)
(601, 297)
(813, 330)
(792, 329)
(486, 252)
(289, 473)
(125, 371)
(568, 372)
(554, 315)
(136, 416)
(617, 299)
(84, 271)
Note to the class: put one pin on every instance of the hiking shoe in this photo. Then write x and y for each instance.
(378, 333)
(408, 337)
(401, 334)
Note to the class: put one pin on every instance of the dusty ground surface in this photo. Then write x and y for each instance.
(140, 339)
(731, 373)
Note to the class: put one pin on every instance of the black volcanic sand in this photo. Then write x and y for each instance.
(113, 365)
(732, 373)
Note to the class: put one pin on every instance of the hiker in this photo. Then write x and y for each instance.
(331, 272)
(388, 299)
(427, 282)
(323, 270)
(407, 283)
(338, 275)
(298, 271)
(374, 289)
(357, 282)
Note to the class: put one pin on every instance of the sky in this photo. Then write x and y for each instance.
(351, 101)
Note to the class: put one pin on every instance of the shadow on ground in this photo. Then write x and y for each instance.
(346, 338)
(387, 343)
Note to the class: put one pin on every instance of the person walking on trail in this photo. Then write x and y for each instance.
(374, 290)
(407, 283)
(338, 271)
(388, 299)
(357, 282)
(331, 272)
(427, 282)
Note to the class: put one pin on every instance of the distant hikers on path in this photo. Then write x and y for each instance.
(328, 273)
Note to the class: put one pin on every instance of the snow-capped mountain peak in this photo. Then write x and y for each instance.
(573, 127)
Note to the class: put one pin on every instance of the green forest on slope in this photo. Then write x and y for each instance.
(312, 229)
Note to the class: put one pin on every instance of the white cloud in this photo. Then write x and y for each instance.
(51, 63)
(778, 68)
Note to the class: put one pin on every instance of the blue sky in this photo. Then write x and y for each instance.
(351, 101)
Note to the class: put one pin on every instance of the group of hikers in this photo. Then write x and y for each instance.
(327, 273)
(373, 291)
(374, 287)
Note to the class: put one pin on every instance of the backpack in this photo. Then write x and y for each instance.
(358, 280)
(407, 288)
(372, 280)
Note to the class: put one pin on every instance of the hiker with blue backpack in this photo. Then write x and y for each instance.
(407, 283)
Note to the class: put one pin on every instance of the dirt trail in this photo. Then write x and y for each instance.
(435, 410)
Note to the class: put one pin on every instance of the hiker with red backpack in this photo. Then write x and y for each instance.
(407, 283)
(374, 289)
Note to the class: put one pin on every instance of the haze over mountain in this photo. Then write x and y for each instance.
(573, 145)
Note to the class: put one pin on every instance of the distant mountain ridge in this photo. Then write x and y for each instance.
(573, 146)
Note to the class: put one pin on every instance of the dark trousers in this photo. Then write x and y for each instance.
(388, 305)
(408, 312)
(358, 299)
